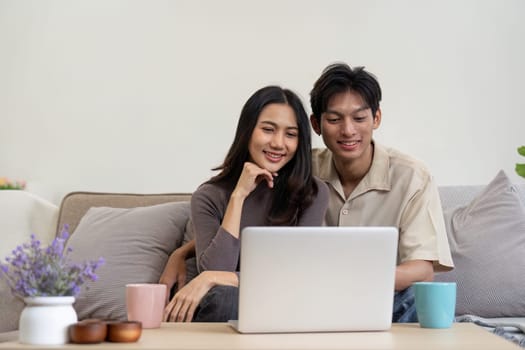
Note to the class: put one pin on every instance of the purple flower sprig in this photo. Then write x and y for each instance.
(34, 270)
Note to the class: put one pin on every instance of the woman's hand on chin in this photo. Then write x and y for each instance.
(251, 176)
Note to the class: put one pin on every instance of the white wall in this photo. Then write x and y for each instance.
(144, 96)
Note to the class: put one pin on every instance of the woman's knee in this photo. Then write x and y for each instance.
(220, 304)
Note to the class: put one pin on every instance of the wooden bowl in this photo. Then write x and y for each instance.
(88, 332)
(124, 332)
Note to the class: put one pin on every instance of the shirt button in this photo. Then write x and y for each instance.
(345, 211)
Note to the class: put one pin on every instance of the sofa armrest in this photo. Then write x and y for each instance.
(8, 336)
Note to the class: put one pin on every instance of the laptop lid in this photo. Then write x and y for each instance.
(315, 279)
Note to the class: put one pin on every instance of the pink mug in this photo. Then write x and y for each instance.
(145, 303)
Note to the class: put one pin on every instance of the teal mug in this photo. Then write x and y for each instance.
(435, 303)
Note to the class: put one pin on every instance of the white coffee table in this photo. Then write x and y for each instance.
(221, 336)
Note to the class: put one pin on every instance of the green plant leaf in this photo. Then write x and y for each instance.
(521, 150)
(520, 169)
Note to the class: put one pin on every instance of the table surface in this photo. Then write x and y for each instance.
(405, 336)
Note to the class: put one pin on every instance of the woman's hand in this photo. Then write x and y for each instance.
(250, 177)
(183, 305)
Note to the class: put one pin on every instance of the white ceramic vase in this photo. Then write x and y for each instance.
(45, 320)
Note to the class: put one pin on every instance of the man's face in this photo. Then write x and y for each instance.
(347, 126)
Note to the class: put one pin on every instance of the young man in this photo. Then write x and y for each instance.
(372, 185)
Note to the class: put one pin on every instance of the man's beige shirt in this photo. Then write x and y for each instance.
(397, 191)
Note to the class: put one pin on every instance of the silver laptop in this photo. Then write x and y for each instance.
(316, 279)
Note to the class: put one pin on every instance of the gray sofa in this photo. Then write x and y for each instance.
(116, 227)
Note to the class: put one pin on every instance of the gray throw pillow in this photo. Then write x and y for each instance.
(135, 244)
(487, 241)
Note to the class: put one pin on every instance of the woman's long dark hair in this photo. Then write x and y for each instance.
(294, 188)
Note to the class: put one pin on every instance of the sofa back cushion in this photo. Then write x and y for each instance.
(75, 204)
(461, 195)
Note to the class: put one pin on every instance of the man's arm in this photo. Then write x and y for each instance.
(412, 271)
(175, 269)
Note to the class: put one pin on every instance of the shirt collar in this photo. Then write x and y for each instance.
(377, 177)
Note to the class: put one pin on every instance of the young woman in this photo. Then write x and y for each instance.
(265, 179)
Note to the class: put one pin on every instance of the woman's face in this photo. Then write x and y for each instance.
(275, 137)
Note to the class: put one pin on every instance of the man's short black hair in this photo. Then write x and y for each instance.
(340, 77)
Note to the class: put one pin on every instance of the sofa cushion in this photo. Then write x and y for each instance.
(487, 241)
(10, 308)
(135, 244)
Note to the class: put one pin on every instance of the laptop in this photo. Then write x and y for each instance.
(316, 279)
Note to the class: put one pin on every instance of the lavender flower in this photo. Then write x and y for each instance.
(33, 270)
